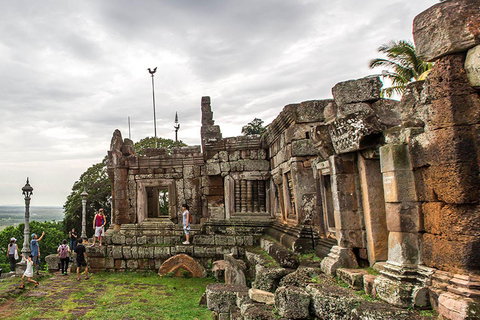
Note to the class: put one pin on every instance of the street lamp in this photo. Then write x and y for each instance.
(152, 72)
(27, 193)
(84, 196)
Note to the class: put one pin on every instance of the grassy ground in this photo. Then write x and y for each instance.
(105, 295)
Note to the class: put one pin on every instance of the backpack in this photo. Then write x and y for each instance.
(63, 251)
(190, 218)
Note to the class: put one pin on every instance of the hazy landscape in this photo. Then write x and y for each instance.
(14, 215)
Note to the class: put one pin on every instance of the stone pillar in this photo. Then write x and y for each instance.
(229, 185)
(373, 209)
(348, 226)
(397, 282)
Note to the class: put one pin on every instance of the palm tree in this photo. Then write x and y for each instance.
(404, 64)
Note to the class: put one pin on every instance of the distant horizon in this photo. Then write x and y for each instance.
(34, 206)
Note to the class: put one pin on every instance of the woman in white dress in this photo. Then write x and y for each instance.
(28, 272)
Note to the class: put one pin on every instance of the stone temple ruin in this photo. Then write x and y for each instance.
(360, 180)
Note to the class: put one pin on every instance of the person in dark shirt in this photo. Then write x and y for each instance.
(73, 238)
(81, 258)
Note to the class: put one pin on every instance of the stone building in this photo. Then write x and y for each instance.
(360, 179)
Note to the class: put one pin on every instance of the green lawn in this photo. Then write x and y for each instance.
(107, 295)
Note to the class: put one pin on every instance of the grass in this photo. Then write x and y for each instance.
(111, 295)
(311, 257)
(269, 261)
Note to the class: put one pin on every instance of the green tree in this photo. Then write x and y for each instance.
(96, 183)
(149, 143)
(254, 127)
(402, 64)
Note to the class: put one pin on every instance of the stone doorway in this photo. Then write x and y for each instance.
(157, 203)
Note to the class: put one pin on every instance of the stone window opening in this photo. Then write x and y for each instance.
(307, 135)
(250, 196)
(157, 202)
(291, 212)
(327, 202)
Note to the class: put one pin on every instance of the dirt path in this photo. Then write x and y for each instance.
(57, 287)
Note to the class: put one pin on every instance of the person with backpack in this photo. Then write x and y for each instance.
(98, 225)
(12, 253)
(63, 251)
(187, 220)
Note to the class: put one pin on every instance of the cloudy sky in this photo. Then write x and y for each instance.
(71, 72)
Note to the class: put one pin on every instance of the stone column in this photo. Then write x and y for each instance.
(348, 227)
(373, 209)
(404, 222)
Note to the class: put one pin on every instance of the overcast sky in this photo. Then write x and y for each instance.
(71, 72)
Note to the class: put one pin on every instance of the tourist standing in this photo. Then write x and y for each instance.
(81, 258)
(63, 251)
(35, 250)
(98, 226)
(186, 223)
(12, 253)
(28, 272)
(73, 238)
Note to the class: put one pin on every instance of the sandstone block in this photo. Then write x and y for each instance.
(53, 262)
(234, 270)
(352, 277)
(446, 28)
(305, 147)
(292, 302)
(223, 297)
(161, 252)
(221, 240)
(451, 306)
(399, 186)
(456, 183)
(120, 264)
(453, 110)
(432, 216)
(130, 240)
(394, 157)
(212, 169)
(132, 264)
(404, 217)
(460, 255)
(404, 247)
(182, 262)
(186, 249)
(472, 66)
(261, 296)
(117, 252)
(204, 252)
(142, 240)
(134, 251)
(331, 301)
(118, 238)
(349, 108)
(368, 285)
(361, 90)
(109, 263)
(127, 253)
(267, 279)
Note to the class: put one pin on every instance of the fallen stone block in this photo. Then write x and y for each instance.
(292, 302)
(332, 302)
(369, 285)
(261, 296)
(181, 263)
(352, 277)
(300, 278)
(223, 297)
(268, 279)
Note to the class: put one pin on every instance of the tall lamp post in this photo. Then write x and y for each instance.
(152, 72)
(27, 193)
(176, 126)
(84, 196)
